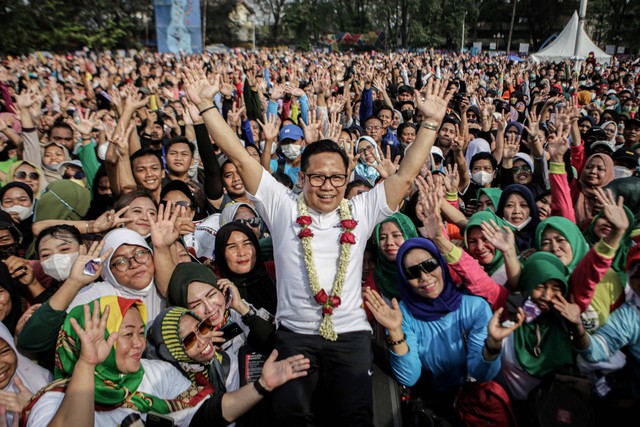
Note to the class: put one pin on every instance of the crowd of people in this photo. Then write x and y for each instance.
(238, 238)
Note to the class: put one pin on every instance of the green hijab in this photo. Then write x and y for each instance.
(185, 274)
(475, 221)
(620, 260)
(571, 232)
(544, 345)
(493, 194)
(63, 199)
(385, 274)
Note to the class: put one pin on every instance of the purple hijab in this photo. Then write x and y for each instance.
(427, 309)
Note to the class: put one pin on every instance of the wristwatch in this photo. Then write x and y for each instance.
(250, 313)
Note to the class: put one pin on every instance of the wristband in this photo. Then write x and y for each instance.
(210, 107)
(430, 126)
(492, 351)
(262, 391)
(400, 341)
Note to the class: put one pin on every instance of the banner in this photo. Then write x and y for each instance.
(375, 39)
(178, 26)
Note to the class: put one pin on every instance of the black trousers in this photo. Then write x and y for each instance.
(338, 384)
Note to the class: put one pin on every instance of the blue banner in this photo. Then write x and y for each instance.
(178, 26)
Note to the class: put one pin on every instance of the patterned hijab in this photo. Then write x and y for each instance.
(427, 309)
(113, 389)
(385, 273)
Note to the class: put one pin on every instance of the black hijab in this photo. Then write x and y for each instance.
(9, 284)
(256, 287)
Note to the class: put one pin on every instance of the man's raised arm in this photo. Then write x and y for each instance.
(201, 92)
(434, 107)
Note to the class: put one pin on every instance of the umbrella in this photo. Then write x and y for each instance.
(515, 58)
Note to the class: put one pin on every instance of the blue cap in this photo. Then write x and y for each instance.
(290, 132)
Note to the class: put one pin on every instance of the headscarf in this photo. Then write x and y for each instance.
(497, 263)
(571, 232)
(543, 346)
(51, 173)
(385, 274)
(362, 168)
(24, 225)
(524, 236)
(584, 199)
(427, 309)
(615, 125)
(230, 210)
(492, 193)
(33, 376)
(256, 286)
(620, 259)
(42, 181)
(113, 389)
(519, 127)
(164, 343)
(64, 200)
(478, 145)
(114, 239)
(100, 203)
(184, 274)
(13, 288)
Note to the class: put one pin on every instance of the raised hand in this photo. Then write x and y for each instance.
(110, 219)
(428, 207)
(94, 349)
(612, 211)
(20, 269)
(386, 167)
(436, 101)
(198, 88)
(568, 310)
(278, 92)
(504, 241)
(511, 146)
(496, 332)
(311, 130)
(274, 374)
(78, 274)
(25, 318)
(165, 229)
(388, 317)
(557, 146)
(269, 126)
(15, 402)
(451, 179)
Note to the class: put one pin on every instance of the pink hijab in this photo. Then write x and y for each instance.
(584, 199)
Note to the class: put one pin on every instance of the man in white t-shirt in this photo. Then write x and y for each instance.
(343, 362)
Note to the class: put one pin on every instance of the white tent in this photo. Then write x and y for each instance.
(572, 43)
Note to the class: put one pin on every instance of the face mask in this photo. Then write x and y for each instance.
(482, 178)
(291, 151)
(8, 250)
(520, 226)
(59, 266)
(102, 150)
(626, 108)
(274, 147)
(52, 167)
(407, 115)
(22, 211)
(621, 172)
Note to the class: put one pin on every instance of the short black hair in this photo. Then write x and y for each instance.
(323, 146)
(146, 152)
(58, 232)
(384, 107)
(357, 183)
(60, 125)
(402, 126)
(180, 140)
(484, 155)
(371, 118)
(283, 179)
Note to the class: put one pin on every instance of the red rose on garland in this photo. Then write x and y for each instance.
(305, 232)
(304, 220)
(348, 237)
(348, 224)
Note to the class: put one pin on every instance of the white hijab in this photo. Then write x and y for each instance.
(33, 376)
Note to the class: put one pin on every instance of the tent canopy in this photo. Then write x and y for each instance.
(564, 45)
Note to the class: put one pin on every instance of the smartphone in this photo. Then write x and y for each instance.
(515, 300)
(228, 298)
(158, 420)
(230, 331)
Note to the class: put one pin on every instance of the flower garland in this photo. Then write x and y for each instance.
(347, 238)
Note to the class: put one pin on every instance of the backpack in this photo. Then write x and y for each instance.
(564, 401)
(484, 404)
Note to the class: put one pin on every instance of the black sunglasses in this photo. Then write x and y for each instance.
(251, 222)
(23, 175)
(190, 339)
(426, 266)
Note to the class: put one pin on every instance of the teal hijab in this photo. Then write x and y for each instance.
(571, 232)
(475, 221)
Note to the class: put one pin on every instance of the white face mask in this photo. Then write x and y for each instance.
(274, 147)
(291, 151)
(102, 150)
(22, 211)
(520, 226)
(621, 172)
(482, 178)
(59, 266)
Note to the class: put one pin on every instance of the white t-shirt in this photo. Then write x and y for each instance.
(297, 309)
(160, 379)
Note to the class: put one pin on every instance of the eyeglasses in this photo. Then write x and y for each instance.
(205, 327)
(368, 149)
(123, 264)
(426, 266)
(24, 175)
(370, 128)
(182, 203)
(317, 180)
(251, 222)
(523, 168)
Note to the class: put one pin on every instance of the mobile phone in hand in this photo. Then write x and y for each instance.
(230, 331)
(158, 420)
(515, 300)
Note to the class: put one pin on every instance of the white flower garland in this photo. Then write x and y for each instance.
(328, 302)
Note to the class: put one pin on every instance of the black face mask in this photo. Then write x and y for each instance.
(8, 250)
(407, 115)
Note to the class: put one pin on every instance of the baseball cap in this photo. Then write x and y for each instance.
(607, 145)
(625, 155)
(436, 151)
(66, 163)
(292, 132)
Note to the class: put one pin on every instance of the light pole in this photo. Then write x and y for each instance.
(513, 17)
(462, 38)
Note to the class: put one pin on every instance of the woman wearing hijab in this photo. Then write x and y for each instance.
(598, 172)
(390, 234)
(518, 209)
(22, 377)
(610, 128)
(101, 377)
(436, 327)
(28, 173)
(183, 339)
(488, 199)
(370, 156)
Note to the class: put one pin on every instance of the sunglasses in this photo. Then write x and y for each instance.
(190, 339)
(251, 222)
(523, 168)
(77, 175)
(23, 175)
(178, 203)
(426, 266)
